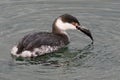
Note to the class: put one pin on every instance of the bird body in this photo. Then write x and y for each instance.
(39, 43)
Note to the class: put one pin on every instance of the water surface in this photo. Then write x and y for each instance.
(81, 61)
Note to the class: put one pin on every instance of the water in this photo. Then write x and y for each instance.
(81, 61)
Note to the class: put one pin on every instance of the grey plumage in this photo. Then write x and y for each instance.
(38, 39)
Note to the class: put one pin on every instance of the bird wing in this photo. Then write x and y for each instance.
(36, 40)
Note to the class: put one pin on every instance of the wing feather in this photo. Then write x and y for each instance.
(38, 39)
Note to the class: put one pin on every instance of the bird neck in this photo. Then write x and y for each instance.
(56, 29)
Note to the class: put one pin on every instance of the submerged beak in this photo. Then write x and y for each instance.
(85, 31)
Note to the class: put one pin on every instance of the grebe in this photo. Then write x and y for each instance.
(39, 43)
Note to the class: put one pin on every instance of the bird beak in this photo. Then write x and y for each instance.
(85, 31)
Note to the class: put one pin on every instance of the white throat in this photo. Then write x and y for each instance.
(64, 25)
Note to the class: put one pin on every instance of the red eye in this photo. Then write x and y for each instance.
(75, 24)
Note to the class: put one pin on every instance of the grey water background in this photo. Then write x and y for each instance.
(81, 61)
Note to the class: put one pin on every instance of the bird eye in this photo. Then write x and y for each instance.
(74, 23)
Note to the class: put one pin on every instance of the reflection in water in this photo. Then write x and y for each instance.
(63, 57)
(82, 54)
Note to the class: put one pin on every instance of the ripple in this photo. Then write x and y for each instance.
(19, 17)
